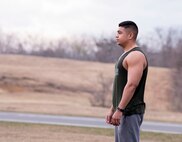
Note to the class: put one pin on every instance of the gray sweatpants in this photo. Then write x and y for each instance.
(129, 128)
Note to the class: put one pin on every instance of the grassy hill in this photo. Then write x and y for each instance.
(61, 86)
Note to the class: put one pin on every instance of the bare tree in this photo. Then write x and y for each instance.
(176, 78)
(101, 97)
(167, 40)
(108, 50)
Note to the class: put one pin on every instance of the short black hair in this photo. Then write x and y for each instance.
(130, 24)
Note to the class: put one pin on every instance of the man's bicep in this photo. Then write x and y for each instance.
(135, 71)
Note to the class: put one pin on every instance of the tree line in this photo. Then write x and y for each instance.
(162, 51)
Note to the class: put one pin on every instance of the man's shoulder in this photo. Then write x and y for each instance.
(136, 57)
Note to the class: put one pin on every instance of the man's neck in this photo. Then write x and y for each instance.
(129, 47)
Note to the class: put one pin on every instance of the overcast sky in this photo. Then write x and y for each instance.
(95, 17)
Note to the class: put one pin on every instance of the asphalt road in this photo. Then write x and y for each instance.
(84, 122)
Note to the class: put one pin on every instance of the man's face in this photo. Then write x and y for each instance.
(122, 36)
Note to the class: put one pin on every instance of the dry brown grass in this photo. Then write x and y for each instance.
(21, 132)
(14, 132)
(56, 86)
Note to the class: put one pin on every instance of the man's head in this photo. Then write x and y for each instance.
(130, 26)
(127, 31)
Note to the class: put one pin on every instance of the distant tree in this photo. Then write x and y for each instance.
(21, 49)
(101, 97)
(176, 96)
(108, 50)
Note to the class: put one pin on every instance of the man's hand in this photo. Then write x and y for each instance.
(109, 116)
(116, 118)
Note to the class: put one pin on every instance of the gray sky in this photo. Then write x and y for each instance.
(74, 17)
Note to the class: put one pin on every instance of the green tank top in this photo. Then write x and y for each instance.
(136, 104)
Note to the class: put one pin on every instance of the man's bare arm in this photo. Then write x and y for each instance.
(135, 63)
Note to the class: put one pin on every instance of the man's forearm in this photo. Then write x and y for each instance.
(127, 95)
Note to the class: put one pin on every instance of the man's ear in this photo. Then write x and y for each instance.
(130, 35)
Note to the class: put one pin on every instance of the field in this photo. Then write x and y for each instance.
(21, 132)
(61, 86)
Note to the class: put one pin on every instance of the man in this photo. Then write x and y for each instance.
(128, 107)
